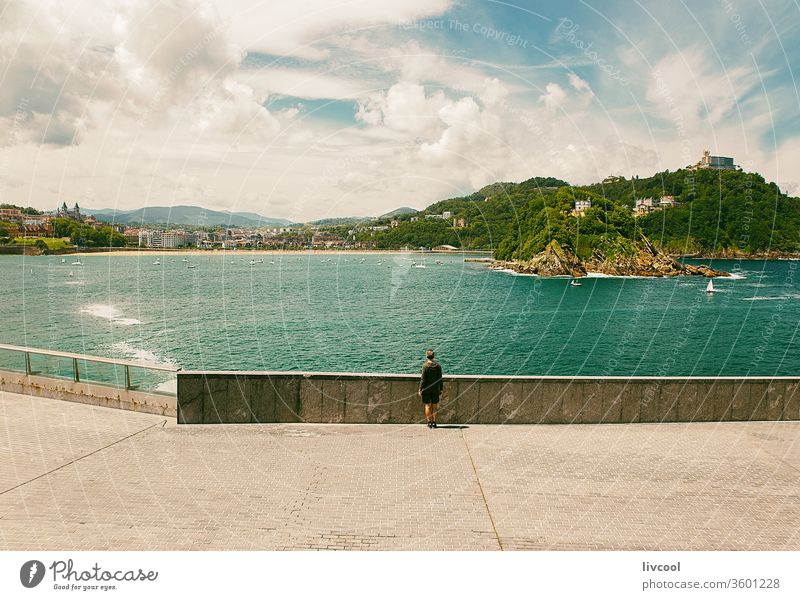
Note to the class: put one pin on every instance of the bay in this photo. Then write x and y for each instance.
(378, 312)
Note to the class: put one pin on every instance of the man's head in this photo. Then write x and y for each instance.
(429, 354)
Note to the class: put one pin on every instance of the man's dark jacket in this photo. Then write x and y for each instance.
(431, 381)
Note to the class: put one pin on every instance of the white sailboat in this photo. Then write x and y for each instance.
(710, 287)
(575, 283)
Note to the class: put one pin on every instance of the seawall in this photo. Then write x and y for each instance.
(294, 397)
(88, 393)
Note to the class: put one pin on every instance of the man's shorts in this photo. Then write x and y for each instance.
(430, 397)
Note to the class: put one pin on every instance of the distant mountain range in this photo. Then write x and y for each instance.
(197, 215)
(184, 215)
(334, 221)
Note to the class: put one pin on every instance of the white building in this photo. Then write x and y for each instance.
(643, 206)
(173, 239)
(150, 238)
(581, 206)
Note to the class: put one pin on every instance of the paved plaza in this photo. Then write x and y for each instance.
(77, 477)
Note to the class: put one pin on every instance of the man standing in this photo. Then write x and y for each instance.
(430, 387)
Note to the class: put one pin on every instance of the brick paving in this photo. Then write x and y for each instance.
(81, 477)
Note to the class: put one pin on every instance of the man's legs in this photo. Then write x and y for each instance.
(434, 406)
(428, 412)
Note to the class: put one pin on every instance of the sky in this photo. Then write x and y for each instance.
(308, 109)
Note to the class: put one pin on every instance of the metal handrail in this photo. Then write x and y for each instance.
(76, 357)
(112, 361)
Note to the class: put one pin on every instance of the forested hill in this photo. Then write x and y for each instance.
(720, 211)
(487, 215)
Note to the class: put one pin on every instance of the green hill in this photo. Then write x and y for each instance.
(721, 212)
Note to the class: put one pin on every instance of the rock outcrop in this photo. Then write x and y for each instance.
(617, 257)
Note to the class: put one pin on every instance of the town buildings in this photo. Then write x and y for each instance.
(11, 214)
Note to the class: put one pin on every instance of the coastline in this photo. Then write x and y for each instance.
(262, 252)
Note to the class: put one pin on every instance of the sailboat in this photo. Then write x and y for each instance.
(575, 283)
(63, 260)
(184, 260)
(71, 274)
(710, 287)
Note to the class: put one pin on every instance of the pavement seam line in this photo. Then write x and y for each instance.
(483, 495)
(74, 460)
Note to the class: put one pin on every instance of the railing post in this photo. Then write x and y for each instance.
(75, 373)
(28, 370)
(127, 377)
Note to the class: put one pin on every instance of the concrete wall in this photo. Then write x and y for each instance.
(280, 397)
(88, 393)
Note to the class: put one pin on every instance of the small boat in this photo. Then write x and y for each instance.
(252, 263)
(63, 260)
(575, 283)
(77, 262)
(191, 266)
(260, 260)
(438, 262)
(184, 260)
(710, 287)
(71, 274)
(157, 263)
(420, 267)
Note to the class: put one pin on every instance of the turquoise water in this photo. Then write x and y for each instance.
(342, 313)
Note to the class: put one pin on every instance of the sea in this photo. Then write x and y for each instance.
(379, 312)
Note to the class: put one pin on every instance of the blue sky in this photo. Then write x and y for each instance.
(323, 108)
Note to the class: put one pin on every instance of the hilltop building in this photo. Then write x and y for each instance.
(65, 213)
(719, 163)
(613, 179)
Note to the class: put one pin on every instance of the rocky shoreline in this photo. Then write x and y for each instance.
(646, 261)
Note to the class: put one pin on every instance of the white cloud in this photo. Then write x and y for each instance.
(301, 29)
(686, 84)
(554, 97)
(404, 108)
(303, 83)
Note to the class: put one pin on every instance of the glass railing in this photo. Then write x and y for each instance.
(80, 368)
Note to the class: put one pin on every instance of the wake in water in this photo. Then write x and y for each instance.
(784, 297)
(128, 351)
(108, 312)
